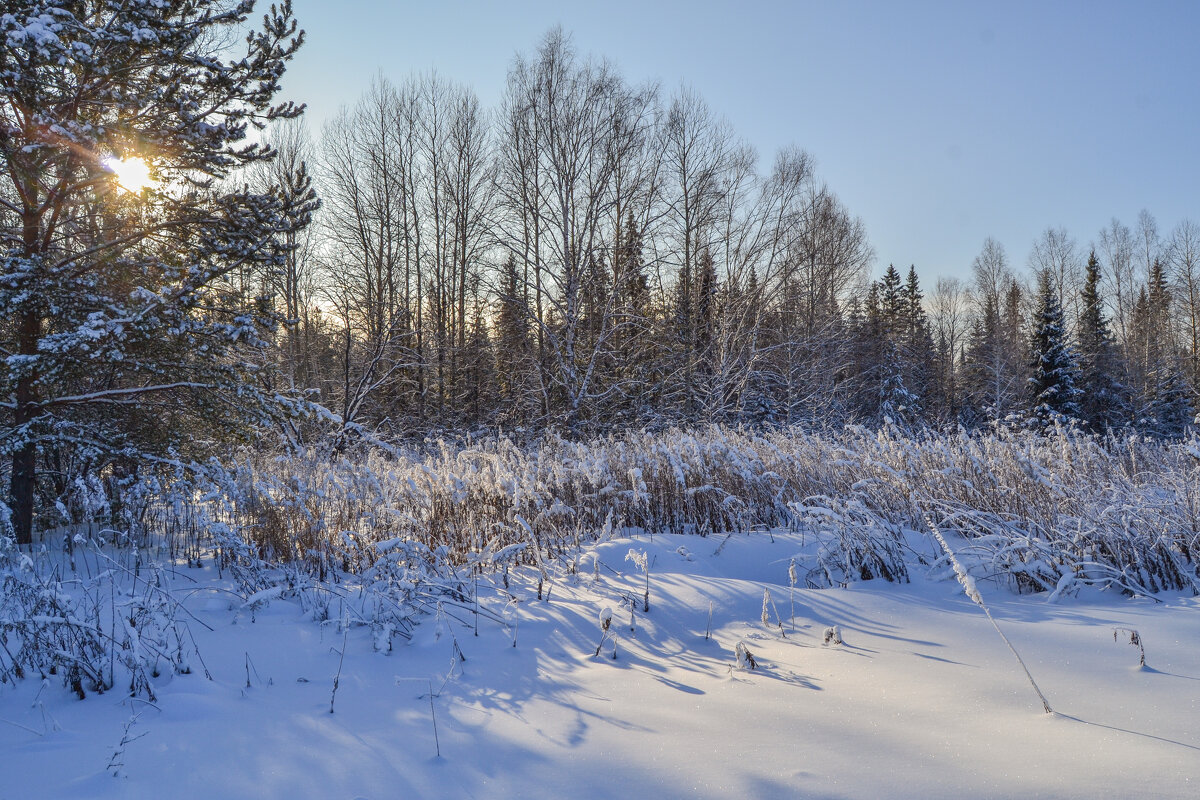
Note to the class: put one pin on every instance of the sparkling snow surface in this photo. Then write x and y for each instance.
(922, 700)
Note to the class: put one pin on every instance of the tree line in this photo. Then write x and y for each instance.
(589, 253)
(593, 252)
(1104, 338)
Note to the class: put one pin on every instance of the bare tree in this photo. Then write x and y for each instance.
(819, 255)
(292, 287)
(949, 317)
(367, 245)
(1148, 241)
(456, 196)
(699, 155)
(1117, 249)
(570, 126)
(1183, 256)
(1056, 255)
(990, 271)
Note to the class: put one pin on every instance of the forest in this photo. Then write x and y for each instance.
(285, 410)
(595, 253)
(591, 254)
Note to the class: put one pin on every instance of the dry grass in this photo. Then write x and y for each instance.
(1048, 511)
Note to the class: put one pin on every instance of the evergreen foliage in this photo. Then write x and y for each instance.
(1164, 402)
(1054, 383)
(1104, 403)
(138, 321)
(590, 255)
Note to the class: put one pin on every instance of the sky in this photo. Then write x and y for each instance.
(938, 123)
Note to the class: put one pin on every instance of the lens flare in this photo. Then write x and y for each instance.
(133, 174)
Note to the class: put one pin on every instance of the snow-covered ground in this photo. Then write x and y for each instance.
(923, 699)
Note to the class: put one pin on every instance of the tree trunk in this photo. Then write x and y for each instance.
(23, 481)
(24, 459)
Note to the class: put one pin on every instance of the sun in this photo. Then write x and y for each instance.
(133, 173)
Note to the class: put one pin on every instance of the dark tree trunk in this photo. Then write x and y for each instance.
(23, 481)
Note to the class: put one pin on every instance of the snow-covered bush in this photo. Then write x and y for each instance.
(857, 543)
(117, 629)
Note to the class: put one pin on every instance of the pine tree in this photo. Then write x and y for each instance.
(867, 334)
(996, 358)
(897, 403)
(630, 345)
(1173, 411)
(595, 299)
(754, 398)
(480, 380)
(984, 361)
(680, 342)
(893, 350)
(130, 340)
(1055, 379)
(917, 322)
(1143, 356)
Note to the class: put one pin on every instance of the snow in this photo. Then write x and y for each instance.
(921, 699)
(41, 30)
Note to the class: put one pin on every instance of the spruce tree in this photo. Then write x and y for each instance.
(997, 355)
(893, 350)
(514, 358)
(132, 339)
(628, 269)
(893, 304)
(706, 311)
(984, 362)
(1165, 404)
(919, 352)
(1104, 403)
(1143, 356)
(897, 403)
(1054, 383)
(1173, 412)
(868, 360)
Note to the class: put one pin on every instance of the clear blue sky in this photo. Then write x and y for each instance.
(939, 123)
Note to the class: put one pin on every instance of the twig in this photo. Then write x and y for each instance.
(433, 714)
(22, 727)
(341, 658)
(116, 762)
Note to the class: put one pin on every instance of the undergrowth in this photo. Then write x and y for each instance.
(380, 538)
(1045, 512)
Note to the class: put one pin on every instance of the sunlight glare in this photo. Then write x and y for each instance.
(133, 173)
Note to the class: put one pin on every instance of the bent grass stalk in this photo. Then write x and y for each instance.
(972, 591)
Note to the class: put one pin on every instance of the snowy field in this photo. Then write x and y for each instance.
(922, 699)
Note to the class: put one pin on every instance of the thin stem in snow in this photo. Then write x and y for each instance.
(972, 591)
